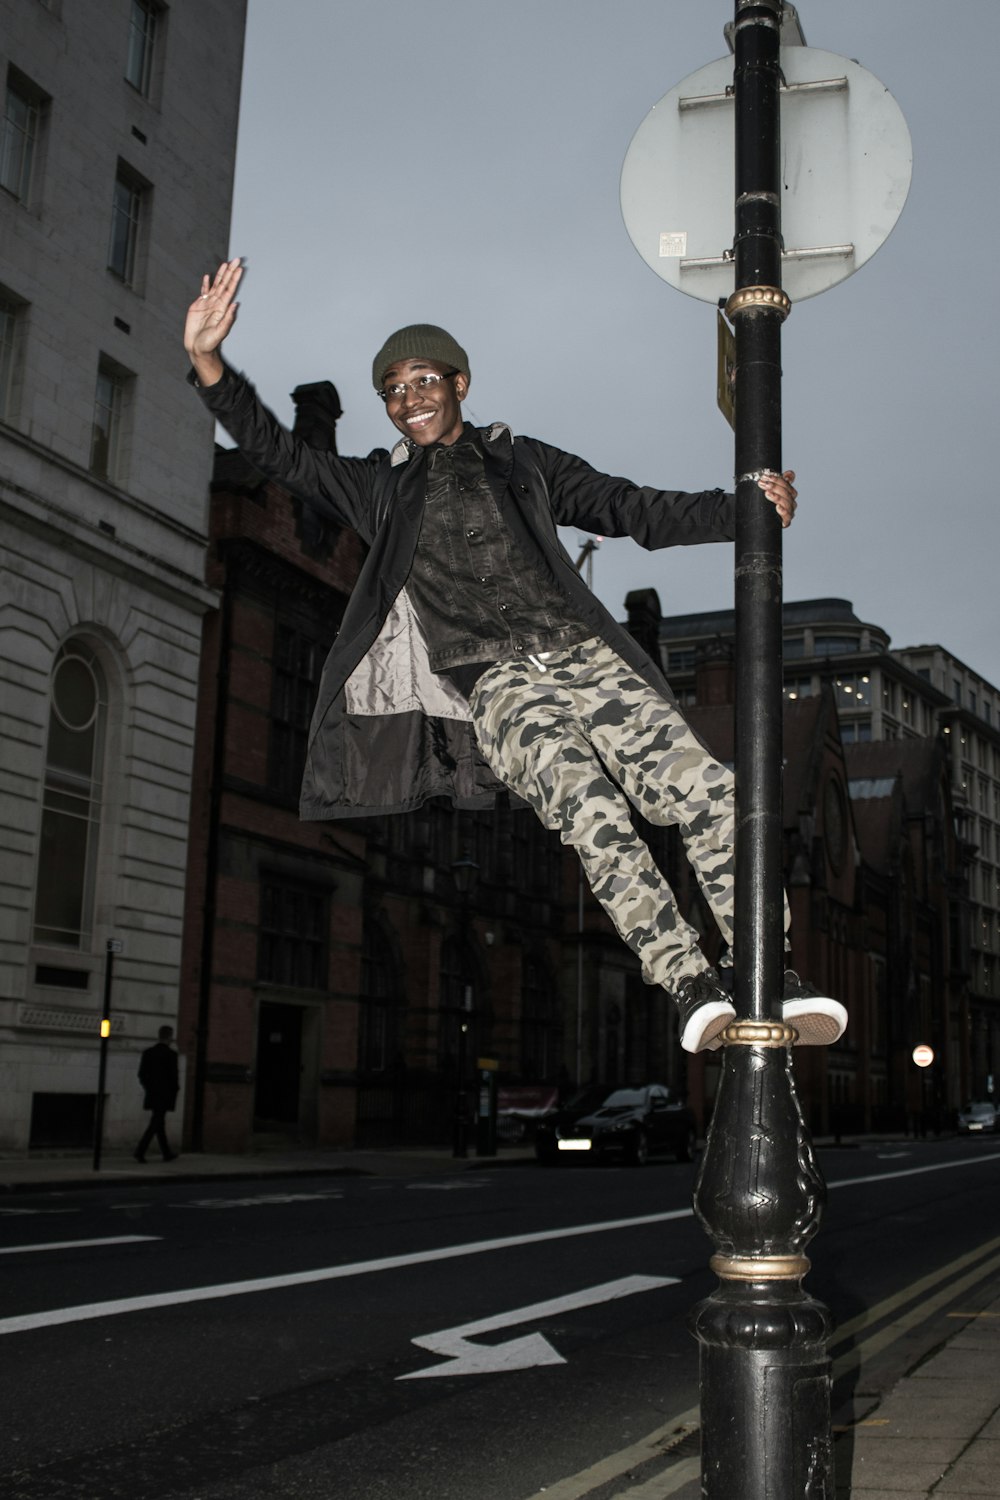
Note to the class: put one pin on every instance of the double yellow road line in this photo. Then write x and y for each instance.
(922, 1299)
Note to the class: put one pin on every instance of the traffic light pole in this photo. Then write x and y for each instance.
(765, 1374)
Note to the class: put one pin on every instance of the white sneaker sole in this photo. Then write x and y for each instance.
(818, 1020)
(701, 1034)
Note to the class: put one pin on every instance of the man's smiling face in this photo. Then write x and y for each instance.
(426, 413)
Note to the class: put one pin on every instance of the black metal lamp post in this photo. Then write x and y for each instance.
(465, 872)
(765, 1375)
(112, 946)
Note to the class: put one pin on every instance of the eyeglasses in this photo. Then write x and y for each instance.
(422, 383)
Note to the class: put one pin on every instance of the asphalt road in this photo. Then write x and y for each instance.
(488, 1334)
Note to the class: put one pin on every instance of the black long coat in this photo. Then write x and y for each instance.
(159, 1076)
(387, 733)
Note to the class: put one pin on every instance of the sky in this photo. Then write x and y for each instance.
(458, 162)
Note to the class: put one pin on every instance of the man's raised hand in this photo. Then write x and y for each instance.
(209, 319)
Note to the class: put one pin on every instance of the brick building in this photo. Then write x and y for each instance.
(876, 858)
(336, 982)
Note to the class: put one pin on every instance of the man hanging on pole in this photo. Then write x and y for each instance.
(472, 656)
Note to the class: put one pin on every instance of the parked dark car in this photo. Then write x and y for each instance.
(977, 1118)
(602, 1120)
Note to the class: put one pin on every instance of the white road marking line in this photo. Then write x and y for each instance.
(27, 1212)
(28, 1321)
(523, 1353)
(939, 1166)
(443, 1187)
(264, 1201)
(115, 1239)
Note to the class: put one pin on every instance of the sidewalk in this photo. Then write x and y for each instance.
(69, 1171)
(935, 1433)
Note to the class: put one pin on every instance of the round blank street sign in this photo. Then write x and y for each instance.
(846, 163)
(923, 1055)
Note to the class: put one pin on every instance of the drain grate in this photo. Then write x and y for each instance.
(684, 1444)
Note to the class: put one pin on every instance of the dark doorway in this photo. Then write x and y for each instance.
(62, 1120)
(279, 1065)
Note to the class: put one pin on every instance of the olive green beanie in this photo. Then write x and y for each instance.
(419, 341)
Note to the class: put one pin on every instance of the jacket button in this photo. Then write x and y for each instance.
(524, 489)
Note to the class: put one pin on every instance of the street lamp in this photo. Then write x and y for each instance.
(765, 1409)
(465, 872)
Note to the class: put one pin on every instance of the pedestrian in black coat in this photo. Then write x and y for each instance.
(159, 1077)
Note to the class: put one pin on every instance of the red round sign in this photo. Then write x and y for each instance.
(923, 1055)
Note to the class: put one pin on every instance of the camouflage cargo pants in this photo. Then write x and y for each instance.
(578, 738)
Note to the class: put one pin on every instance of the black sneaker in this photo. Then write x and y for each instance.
(818, 1020)
(705, 1011)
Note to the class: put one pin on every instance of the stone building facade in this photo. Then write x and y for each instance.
(116, 166)
(969, 721)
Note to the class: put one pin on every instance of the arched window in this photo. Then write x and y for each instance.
(71, 807)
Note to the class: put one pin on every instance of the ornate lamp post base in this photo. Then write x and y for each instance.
(765, 1374)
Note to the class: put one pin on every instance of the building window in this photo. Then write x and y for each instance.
(858, 732)
(298, 662)
(377, 1040)
(12, 319)
(71, 805)
(798, 687)
(834, 645)
(111, 405)
(19, 144)
(541, 1034)
(129, 205)
(854, 691)
(292, 947)
(141, 45)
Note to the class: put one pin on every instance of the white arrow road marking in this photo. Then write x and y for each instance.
(28, 1321)
(523, 1353)
(117, 1239)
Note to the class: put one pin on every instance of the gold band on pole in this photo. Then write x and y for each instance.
(760, 1267)
(748, 297)
(759, 1034)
